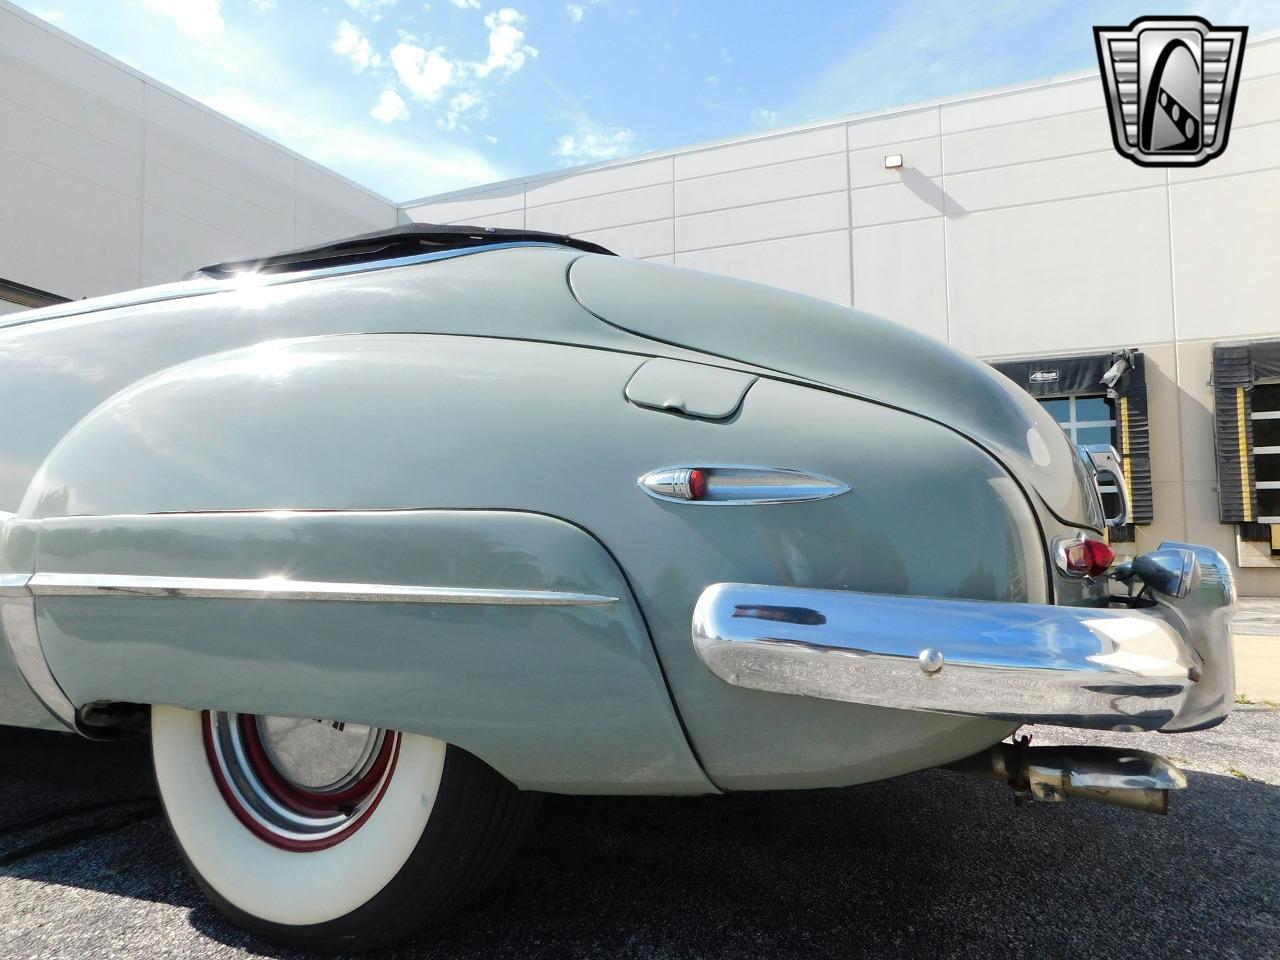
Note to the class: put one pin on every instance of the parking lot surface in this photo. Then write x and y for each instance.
(931, 865)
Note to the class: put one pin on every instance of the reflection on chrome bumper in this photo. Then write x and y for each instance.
(1165, 666)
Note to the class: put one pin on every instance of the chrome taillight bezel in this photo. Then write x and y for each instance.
(1063, 546)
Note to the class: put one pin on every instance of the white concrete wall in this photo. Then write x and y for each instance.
(109, 180)
(1014, 229)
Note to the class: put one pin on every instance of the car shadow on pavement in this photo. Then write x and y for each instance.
(930, 865)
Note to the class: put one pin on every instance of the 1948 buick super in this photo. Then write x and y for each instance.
(510, 514)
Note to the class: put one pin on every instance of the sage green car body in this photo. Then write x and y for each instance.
(464, 422)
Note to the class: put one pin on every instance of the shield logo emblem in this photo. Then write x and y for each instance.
(1171, 86)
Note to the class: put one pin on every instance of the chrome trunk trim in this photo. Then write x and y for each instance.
(1109, 669)
(279, 588)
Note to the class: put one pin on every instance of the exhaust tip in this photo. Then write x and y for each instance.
(1134, 779)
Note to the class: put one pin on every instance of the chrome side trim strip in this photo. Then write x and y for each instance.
(18, 624)
(14, 584)
(731, 484)
(279, 588)
(1089, 667)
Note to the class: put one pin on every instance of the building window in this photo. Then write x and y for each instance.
(1099, 398)
(1086, 419)
(1089, 418)
(1265, 416)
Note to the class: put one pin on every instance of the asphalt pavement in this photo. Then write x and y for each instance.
(930, 865)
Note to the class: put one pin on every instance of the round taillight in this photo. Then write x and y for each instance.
(697, 484)
(1099, 557)
(1085, 558)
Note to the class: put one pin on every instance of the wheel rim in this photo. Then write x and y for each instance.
(299, 784)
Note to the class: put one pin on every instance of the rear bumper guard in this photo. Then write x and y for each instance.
(1167, 666)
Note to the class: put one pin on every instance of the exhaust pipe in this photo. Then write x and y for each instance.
(1125, 778)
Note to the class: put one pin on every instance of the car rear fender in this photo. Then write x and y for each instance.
(395, 423)
(512, 635)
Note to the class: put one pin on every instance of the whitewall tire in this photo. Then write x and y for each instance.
(331, 836)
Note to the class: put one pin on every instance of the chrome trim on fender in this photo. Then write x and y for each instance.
(14, 584)
(18, 624)
(279, 588)
(1110, 669)
(730, 484)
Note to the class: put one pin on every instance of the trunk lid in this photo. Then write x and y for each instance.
(845, 349)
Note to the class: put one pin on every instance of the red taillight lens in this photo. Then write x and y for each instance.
(1087, 558)
(1100, 556)
(697, 484)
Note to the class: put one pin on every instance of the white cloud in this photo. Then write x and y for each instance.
(459, 104)
(197, 18)
(507, 49)
(355, 47)
(575, 11)
(425, 72)
(763, 117)
(466, 4)
(589, 144)
(390, 108)
(265, 6)
(401, 163)
(370, 8)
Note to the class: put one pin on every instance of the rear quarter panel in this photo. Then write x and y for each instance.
(398, 422)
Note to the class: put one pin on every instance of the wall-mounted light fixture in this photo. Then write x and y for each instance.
(893, 161)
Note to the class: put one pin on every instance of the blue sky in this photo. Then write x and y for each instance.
(412, 98)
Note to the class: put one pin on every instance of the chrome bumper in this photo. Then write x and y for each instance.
(1166, 666)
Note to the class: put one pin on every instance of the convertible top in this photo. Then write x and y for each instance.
(402, 241)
